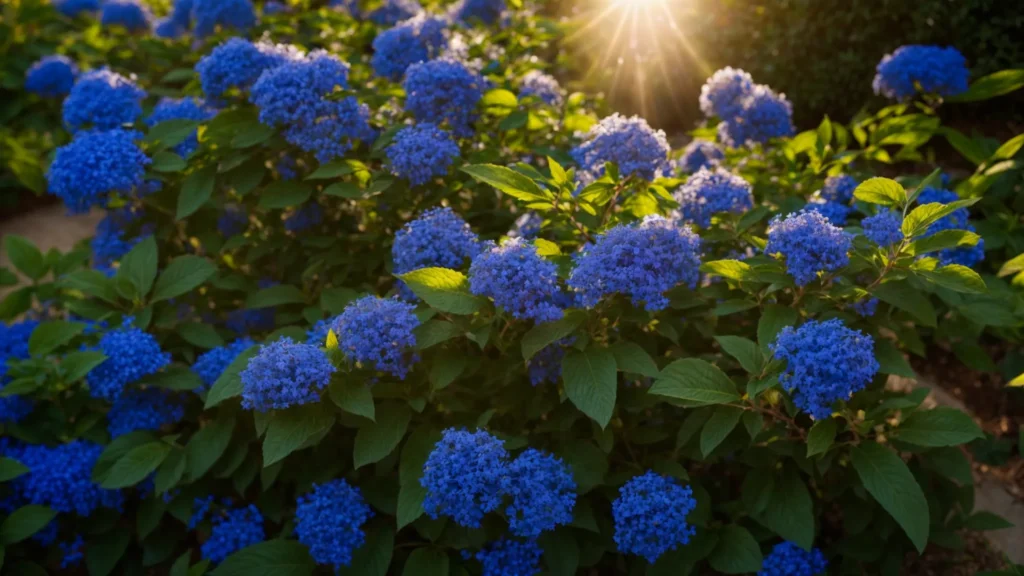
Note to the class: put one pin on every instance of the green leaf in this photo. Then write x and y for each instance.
(174, 377)
(591, 381)
(51, 335)
(270, 558)
(921, 218)
(952, 463)
(102, 555)
(207, 445)
(140, 265)
(942, 240)
(773, 320)
(968, 147)
(790, 512)
(446, 368)
(229, 384)
(561, 552)
(905, 297)
(92, 283)
(24, 522)
(182, 275)
(891, 360)
(251, 135)
(290, 429)
(376, 440)
(334, 300)
(443, 289)
(695, 381)
(170, 472)
(499, 97)
(886, 477)
(136, 465)
(196, 189)
(938, 427)
(170, 133)
(16, 303)
(331, 170)
(995, 84)
(25, 256)
(374, 557)
(509, 181)
(731, 269)
(284, 194)
(433, 332)
(201, 335)
(279, 295)
(881, 191)
(352, 396)
(821, 436)
(148, 516)
(11, 469)
(722, 422)
(1008, 149)
(1012, 266)
(744, 351)
(542, 335)
(546, 247)
(117, 448)
(631, 357)
(736, 552)
(426, 562)
(984, 521)
(165, 161)
(956, 277)
(410, 503)
(77, 364)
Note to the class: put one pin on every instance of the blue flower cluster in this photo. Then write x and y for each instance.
(724, 93)
(378, 333)
(51, 76)
(630, 143)
(144, 409)
(765, 115)
(486, 11)
(111, 240)
(73, 8)
(132, 14)
(181, 109)
(391, 12)
(238, 63)
(825, 362)
(519, 280)
(699, 154)
(834, 212)
(884, 228)
(958, 220)
(232, 221)
(640, 260)
(866, 307)
(838, 189)
(926, 69)
(543, 493)
(464, 476)
(211, 14)
(285, 373)
(810, 245)
(14, 346)
(788, 559)
(60, 477)
(709, 192)
(233, 530)
(177, 22)
(272, 7)
(131, 354)
(95, 164)
(546, 365)
(72, 553)
(246, 320)
(421, 152)
(211, 364)
(418, 39)
(444, 91)
(317, 335)
(102, 99)
(508, 557)
(527, 226)
(542, 86)
(650, 515)
(438, 238)
(303, 218)
(329, 522)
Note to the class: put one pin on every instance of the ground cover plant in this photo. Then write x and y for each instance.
(374, 294)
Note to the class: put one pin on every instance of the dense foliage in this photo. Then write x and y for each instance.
(430, 315)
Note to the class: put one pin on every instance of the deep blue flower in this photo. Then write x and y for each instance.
(438, 238)
(72, 553)
(927, 69)
(699, 154)
(51, 76)
(131, 354)
(543, 494)
(788, 559)
(93, 165)
(421, 152)
(542, 86)
(508, 557)
(838, 189)
(834, 212)
(132, 14)
(304, 217)
(317, 335)
(709, 192)
(724, 92)
(285, 373)
(486, 11)
(329, 520)
(112, 239)
(546, 365)
(650, 516)
(391, 12)
(866, 307)
(444, 91)
(211, 364)
(144, 409)
(825, 362)
(60, 477)
(464, 476)
(232, 221)
(73, 8)
(642, 260)
(102, 99)
(519, 280)
(247, 320)
(272, 7)
(418, 39)
(168, 28)
(629, 143)
(181, 109)
(527, 226)
(350, 6)
(201, 508)
(233, 530)
(14, 346)
(810, 245)
(765, 115)
(178, 22)
(884, 228)
(211, 14)
(238, 63)
(378, 333)
(958, 220)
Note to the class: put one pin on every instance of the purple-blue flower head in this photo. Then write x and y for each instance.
(838, 189)
(95, 164)
(233, 220)
(51, 76)
(211, 364)
(418, 39)
(542, 86)
(72, 553)
(421, 152)
(132, 14)
(391, 12)
(629, 143)
(329, 521)
(60, 477)
(486, 11)
(926, 69)
(788, 559)
(233, 530)
(464, 476)
(519, 280)
(238, 63)
(650, 516)
(285, 373)
(444, 91)
(112, 239)
(834, 212)
(73, 8)
(884, 228)
(543, 494)
(508, 557)
(131, 354)
(104, 100)
(378, 333)
(272, 7)
(438, 238)
(724, 92)
(866, 307)
(14, 346)
(764, 116)
(212, 14)
(178, 22)
(809, 244)
(699, 154)
(527, 226)
(710, 192)
(303, 218)
(958, 220)
(546, 365)
(246, 320)
(144, 409)
(181, 109)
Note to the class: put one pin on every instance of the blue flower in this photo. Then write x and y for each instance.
(285, 373)
(329, 522)
(60, 477)
(709, 192)
(809, 243)
(112, 239)
(543, 494)
(232, 221)
(233, 530)
(546, 365)
(168, 28)
(464, 476)
(834, 212)
(641, 260)
(927, 69)
(699, 154)
(95, 164)
(181, 109)
(303, 218)
(765, 115)
(178, 22)
(542, 86)
(884, 228)
(788, 559)
(102, 99)
(629, 143)
(72, 552)
(350, 6)
(486, 11)
(391, 12)
(200, 510)
(211, 14)
(421, 152)
(211, 364)
(438, 238)
(825, 362)
(518, 280)
(72, 8)
(246, 320)
(527, 226)
(838, 189)
(418, 39)
(51, 76)
(14, 346)
(444, 91)
(650, 516)
(378, 333)
(724, 92)
(131, 354)
(508, 557)
(273, 7)
(132, 14)
(14, 408)
(145, 409)
(958, 220)
(317, 335)
(866, 307)
(238, 63)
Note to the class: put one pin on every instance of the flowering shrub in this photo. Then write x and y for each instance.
(433, 316)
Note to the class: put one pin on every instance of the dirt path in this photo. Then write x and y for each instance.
(50, 227)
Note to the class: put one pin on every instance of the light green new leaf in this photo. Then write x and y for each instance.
(509, 181)
(443, 289)
(881, 191)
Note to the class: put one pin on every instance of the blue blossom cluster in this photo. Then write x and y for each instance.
(866, 307)
(641, 260)
(444, 91)
(527, 226)
(285, 373)
(519, 280)
(211, 364)
(51, 76)
(958, 220)
(60, 477)
(181, 109)
(212, 14)
(630, 143)
(238, 63)
(233, 530)
(825, 362)
(838, 189)
(650, 515)
(765, 115)
(102, 99)
(464, 476)
(724, 93)
(378, 333)
(421, 152)
(132, 14)
(438, 238)
(788, 559)
(72, 553)
(809, 243)
(131, 354)
(14, 346)
(246, 320)
(926, 69)
(418, 39)
(508, 557)
(112, 239)
(708, 192)
(273, 7)
(834, 212)
(73, 8)
(305, 217)
(884, 228)
(317, 335)
(329, 520)
(543, 493)
(699, 154)
(232, 221)
(391, 12)
(144, 409)
(93, 165)
(542, 86)
(546, 365)
(177, 22)
(486, 11)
